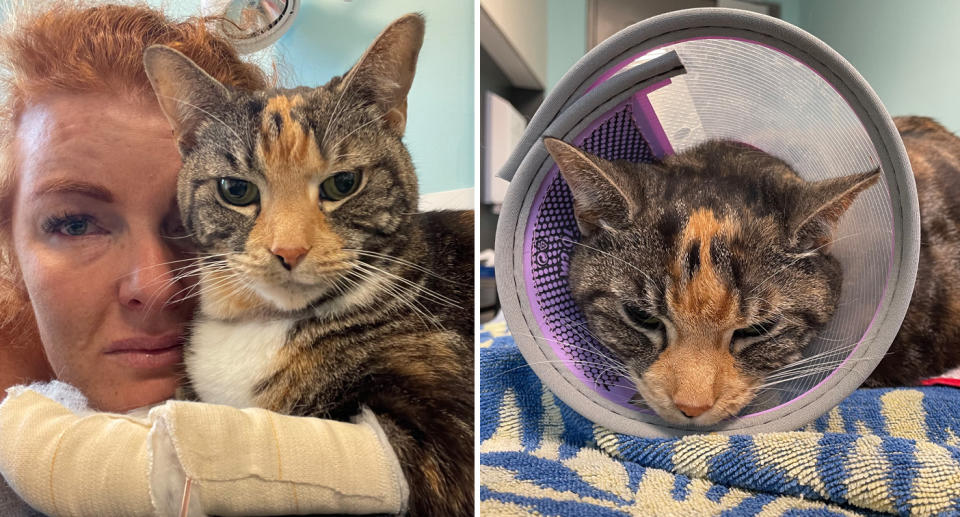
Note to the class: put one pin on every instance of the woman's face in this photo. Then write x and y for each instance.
(93, 218)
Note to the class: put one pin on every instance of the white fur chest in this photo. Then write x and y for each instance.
(226, 360)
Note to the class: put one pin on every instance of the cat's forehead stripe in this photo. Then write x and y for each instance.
(285, 141)
(701, 295)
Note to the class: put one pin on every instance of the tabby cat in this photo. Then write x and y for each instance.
(322, 290)
(678, 290)
(928, 343)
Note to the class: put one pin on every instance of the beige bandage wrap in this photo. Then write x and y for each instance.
(240, 462)
(64, 464)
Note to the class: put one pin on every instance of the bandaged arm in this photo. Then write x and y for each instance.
(65, 462)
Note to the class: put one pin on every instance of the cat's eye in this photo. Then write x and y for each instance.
(642, 318)
(339, 186)
(753, 331)
(238, 192)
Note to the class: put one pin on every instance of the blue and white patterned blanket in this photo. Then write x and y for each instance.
(881, 451)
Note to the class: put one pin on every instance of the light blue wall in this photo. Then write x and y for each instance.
(328, 37)
(178, 8)
(909, 52)
(566, 36)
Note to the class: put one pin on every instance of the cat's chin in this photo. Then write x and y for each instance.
(325, 299)
(293, 297)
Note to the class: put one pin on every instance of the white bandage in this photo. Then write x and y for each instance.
(241, 462)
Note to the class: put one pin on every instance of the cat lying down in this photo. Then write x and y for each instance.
(706, 295)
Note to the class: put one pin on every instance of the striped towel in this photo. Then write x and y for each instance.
(881, 451)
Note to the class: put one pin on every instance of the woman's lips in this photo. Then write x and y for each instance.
(148, 352)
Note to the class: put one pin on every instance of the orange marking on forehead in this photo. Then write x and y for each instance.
(703, 301)
(284, 141)
(703, 225)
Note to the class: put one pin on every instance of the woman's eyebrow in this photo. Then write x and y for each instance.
(72, 186)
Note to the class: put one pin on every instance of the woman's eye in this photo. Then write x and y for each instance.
(642, 318)
(757, 330)
(339, 186)
(71, 225)
(238, 192)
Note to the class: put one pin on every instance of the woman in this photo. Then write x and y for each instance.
(83, 237)
(88, 240)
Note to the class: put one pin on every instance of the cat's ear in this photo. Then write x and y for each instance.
(600, 196)
(385, 71)
(187, 94)
(816, 216)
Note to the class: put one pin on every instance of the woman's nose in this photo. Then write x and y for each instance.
(153, 282)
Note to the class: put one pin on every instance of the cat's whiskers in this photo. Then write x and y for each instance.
(338, 157)
(358, 128)
(801, 374)
(580, 326)
(614, 257)
(161, 264)
(559, 361)
(157, 294)
(428, 293)
(366, 275)
(809, 372)
(780, 315)
(391, 258)
(795, 368)
(818, 356)
(228, 286)
(784, 268)
(198, 288)
(188, 271)
(614, 364)
(606, 367)
(610, 360)
(401, 289)
(194, 269)
(851, 340)
(335, 115)
(211, 115)
(178, 237)
(398, 293)
(813, 369)
(562, 361)
(417, 306)
(797, 378)
(209, 269)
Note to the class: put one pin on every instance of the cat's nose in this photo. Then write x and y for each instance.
(693, 410)
(289, 257)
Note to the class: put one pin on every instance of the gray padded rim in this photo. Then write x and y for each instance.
(531, 163)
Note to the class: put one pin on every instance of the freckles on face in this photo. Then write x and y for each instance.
(96, 181)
